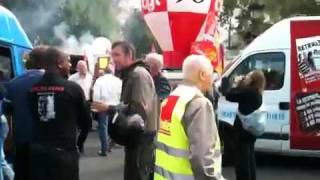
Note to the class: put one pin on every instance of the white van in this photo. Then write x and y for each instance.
(292, 128)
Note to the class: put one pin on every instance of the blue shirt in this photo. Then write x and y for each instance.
(17, 98)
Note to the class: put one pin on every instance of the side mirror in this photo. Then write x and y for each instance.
(215, 76)
(225, 85)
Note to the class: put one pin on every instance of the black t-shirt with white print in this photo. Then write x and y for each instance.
(59, 108)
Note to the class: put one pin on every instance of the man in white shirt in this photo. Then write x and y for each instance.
(107, 89)
(83, 78)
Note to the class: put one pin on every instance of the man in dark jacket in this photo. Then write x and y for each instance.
(58, 107)
(155, 62)
(138, 92)
(16, 107)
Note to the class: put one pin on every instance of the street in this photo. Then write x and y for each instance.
(270, 167)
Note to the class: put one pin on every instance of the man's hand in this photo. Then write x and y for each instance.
(99, 107)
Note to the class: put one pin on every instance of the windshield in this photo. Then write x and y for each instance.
(230, 63)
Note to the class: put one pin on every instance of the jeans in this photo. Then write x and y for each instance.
(1, 173)
(103, 131)
(8, 173)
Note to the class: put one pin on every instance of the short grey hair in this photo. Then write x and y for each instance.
(194, 63)
(156, 59)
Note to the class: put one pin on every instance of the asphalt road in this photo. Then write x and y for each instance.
(270, 167)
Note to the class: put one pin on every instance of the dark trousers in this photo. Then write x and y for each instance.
(82, 137)
(245, 162)
(91, 119)
(50, 163)
(139, 159)
(21, 162)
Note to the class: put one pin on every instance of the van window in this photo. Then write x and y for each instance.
(272, 64)
(5, 64)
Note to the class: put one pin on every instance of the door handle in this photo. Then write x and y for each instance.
(284, 105)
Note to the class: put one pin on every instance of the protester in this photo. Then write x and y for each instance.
(107, 89)
(58, 107)
(6, 172)
(138, 93)
(188, 144)
(83, 78)
(16, 106)
(247, 92)
(155, 61)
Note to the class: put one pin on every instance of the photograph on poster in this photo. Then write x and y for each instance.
(308, 56)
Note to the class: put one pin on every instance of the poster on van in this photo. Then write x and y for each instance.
(308, 51)
(308, 110)
(305, 85)
(308, 103)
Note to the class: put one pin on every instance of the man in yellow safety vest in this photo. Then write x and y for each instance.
(188, 144)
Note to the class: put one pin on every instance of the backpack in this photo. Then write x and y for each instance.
(125, 129)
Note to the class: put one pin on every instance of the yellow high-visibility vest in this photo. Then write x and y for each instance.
(172, 152)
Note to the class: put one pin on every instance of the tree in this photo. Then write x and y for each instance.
(38, 17)
(97, 16)
(135, 30)
(274, 10)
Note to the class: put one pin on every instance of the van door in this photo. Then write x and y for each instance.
(275, 97)
(305, 93)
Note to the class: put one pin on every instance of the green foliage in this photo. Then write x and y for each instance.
(38, 17)
(137, 32)
(274, 9)
(98, 16)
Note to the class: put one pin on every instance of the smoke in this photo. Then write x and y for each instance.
(35, 16)
(127, 7)
(69, 42)
(88, 45)
(68, 23)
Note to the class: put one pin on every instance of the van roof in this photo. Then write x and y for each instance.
(277, 36)
(11, 30)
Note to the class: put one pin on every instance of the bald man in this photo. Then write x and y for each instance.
(155, 62)
(188, 144)
(83, 78)
(16, 106)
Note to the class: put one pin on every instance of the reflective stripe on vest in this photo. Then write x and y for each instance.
(172, 151)
(161, 173)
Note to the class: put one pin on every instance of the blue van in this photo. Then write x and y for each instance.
(14, 44)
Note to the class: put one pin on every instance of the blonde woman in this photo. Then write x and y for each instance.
(247, 92)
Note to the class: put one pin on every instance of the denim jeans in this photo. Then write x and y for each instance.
(1, 173)
(8, 173)
(103, 131)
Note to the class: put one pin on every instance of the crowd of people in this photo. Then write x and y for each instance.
(166, 133)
